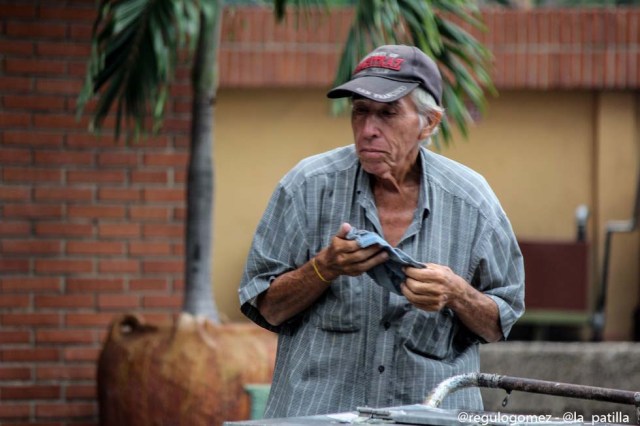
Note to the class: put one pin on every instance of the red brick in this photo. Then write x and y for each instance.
(63, 266)
(36, 30)
(140, 248)
(118, 301)
(33, 211)
(178, 249)
(15, 84)
(63, 194)
(95, 211)
(87, 140)
(146, 176)
(22, 355)
(180, 213)
(89, 320)
(59, 86)
(15, 156)
(180, 176)
(148, 284)
(30, 319)
(64, 372)
(59, 121)
(119, 266)
(30, 284)
(15, 373)
(163, 195)
(93, 285)
(17, 10)
(14, 265)
(12, 300)
(65, 301)
(14, 228)
(67, 13)
(34, 102)
(119, 194)
(119, 230)
(162, 302)
(30, 392)
(63, 229)
(14, 336)
(30, 247)
(83, 353)
(149, 213)
(66, 411)
(33, 139)
(163, 266)
(63, 158)
(95, 247)
(157, 230)
(62, 49)
(173, 159)
(34, 66)
(64, 336)
(15, 193)
(18, 174)
(118, 159)
(98, 176)
(14, 119)
(81, 391)
(12, 410)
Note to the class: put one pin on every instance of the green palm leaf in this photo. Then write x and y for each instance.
(133, 59)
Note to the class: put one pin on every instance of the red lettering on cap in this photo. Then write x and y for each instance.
(380, 61)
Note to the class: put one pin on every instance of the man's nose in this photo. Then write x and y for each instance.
(370, 126)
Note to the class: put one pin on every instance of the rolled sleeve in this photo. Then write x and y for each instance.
(500, 274)
(279, 246)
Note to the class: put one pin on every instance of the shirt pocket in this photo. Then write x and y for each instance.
(339, 309)
(430, 334)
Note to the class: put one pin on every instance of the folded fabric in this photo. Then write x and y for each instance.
(388, 274)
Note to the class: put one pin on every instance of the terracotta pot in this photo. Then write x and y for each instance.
(193, 373)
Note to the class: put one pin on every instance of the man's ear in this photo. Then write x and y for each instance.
(432, 122)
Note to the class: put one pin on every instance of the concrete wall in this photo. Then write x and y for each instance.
(543, 153)
(608, 365)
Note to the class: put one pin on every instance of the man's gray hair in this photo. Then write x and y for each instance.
(427, 108)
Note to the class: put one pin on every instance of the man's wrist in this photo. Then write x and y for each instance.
(321, 270)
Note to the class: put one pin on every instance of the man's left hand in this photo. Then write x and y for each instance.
(432, 288)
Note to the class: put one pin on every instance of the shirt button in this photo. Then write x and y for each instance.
(381, 369)
(387, 325)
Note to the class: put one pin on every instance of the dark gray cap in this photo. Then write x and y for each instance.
(391, 72)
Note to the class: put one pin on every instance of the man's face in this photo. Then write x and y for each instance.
(387, 135)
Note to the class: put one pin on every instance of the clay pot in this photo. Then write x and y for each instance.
(193, 373)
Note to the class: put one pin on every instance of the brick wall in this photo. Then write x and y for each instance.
(90, 227)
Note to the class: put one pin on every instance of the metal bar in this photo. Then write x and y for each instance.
(509, 384)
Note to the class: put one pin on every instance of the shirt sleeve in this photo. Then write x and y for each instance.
(279, 246)
(500, 273)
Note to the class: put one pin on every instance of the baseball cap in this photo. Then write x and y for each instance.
(391, 72)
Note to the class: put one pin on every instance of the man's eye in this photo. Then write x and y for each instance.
(388, 113)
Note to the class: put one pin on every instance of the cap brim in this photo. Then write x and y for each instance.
(378, 89)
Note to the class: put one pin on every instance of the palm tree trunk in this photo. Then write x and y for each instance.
(198, 298)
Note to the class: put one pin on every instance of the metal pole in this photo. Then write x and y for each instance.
(509, 384)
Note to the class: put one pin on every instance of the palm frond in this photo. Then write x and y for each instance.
(134, 54)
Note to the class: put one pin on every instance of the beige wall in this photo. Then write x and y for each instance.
(543, 153)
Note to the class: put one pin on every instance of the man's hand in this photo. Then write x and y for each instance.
(345, 257)
(433, 287)
(437, 286)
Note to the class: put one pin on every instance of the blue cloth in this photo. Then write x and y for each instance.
(388, 274)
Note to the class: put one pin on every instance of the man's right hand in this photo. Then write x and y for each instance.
(346, 257)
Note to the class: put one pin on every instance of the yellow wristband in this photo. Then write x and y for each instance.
(315, 268)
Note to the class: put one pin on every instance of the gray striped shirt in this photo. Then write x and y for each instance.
(360, 345)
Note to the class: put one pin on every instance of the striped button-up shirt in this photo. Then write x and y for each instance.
(359, 344)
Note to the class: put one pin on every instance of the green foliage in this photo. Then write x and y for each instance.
(134, 52)
(135, 46)
(464, 62)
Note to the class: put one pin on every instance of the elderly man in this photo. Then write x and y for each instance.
(344, 340)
